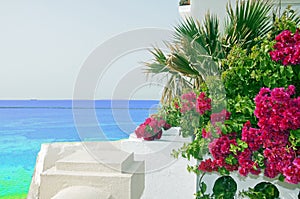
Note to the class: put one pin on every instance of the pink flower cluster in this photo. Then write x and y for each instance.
(277, 111)
(247, 164)
(219, 149)
(287, 48)
(203, 103)
(268, 146)
(216, 118)
(188, 102)
(219, 117)
(152, 128)
(277, 114)
(274, 148)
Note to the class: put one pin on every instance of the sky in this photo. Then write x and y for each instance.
(44, 45)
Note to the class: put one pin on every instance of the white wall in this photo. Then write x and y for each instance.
(294, 3)
(218, 7)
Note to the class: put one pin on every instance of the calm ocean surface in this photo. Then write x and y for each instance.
(25, 125)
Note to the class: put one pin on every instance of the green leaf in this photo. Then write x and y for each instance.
(203, 187)
(268, 189)
(223, 171)
(295, 138)
(231, 160)
(281, 178)
(242, 145)
(234, 149)
(226, 187)
(289, 71)
(281, 68)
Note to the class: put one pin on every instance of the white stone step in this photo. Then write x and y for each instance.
(103, 161)
(80, 192)
(129, 185)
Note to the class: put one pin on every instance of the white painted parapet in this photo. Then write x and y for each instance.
(107, 172)
(110, 170)
(165, 177)
(80, 192)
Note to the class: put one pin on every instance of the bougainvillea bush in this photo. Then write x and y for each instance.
(151, 129)
(194, 109)
(249, 120)
(259, 132)
(270, 148)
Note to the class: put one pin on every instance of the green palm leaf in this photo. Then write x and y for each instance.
(207, 35)
(249, 20)
(158, 64)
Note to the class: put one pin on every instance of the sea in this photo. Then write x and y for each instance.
(26, 124)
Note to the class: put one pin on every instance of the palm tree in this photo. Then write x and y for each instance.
(175, 83)
(197, 49)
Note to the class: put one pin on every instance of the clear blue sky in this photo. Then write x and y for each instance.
(43, 44)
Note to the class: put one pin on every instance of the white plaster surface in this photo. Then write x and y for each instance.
(121, 177)
(185, 11)
(198, 9)
(80, 192)
(166, 177)
(70, 165)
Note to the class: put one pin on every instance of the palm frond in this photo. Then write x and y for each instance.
(189, 28)
(158, 64)
(209, 37)
(206, 35)
(178, 62)
(249, 20)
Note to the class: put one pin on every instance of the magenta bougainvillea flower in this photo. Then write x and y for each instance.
(203, 103)
(267, 148)
(287, 48)
(151, 129)
(188, 102)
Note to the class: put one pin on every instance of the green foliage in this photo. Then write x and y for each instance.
(259, 158)
(252, 194)
(176, 83)
(231, 160)
(247, 73)
(263, 190)
(288, 20)
(197, 54)
(240, 147)
(189, 123)
(225, 187)
(196, 149)
(295, 138)
(171, 112)
(215, 89)
(204, 38)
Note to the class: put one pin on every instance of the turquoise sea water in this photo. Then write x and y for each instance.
(25, 125)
